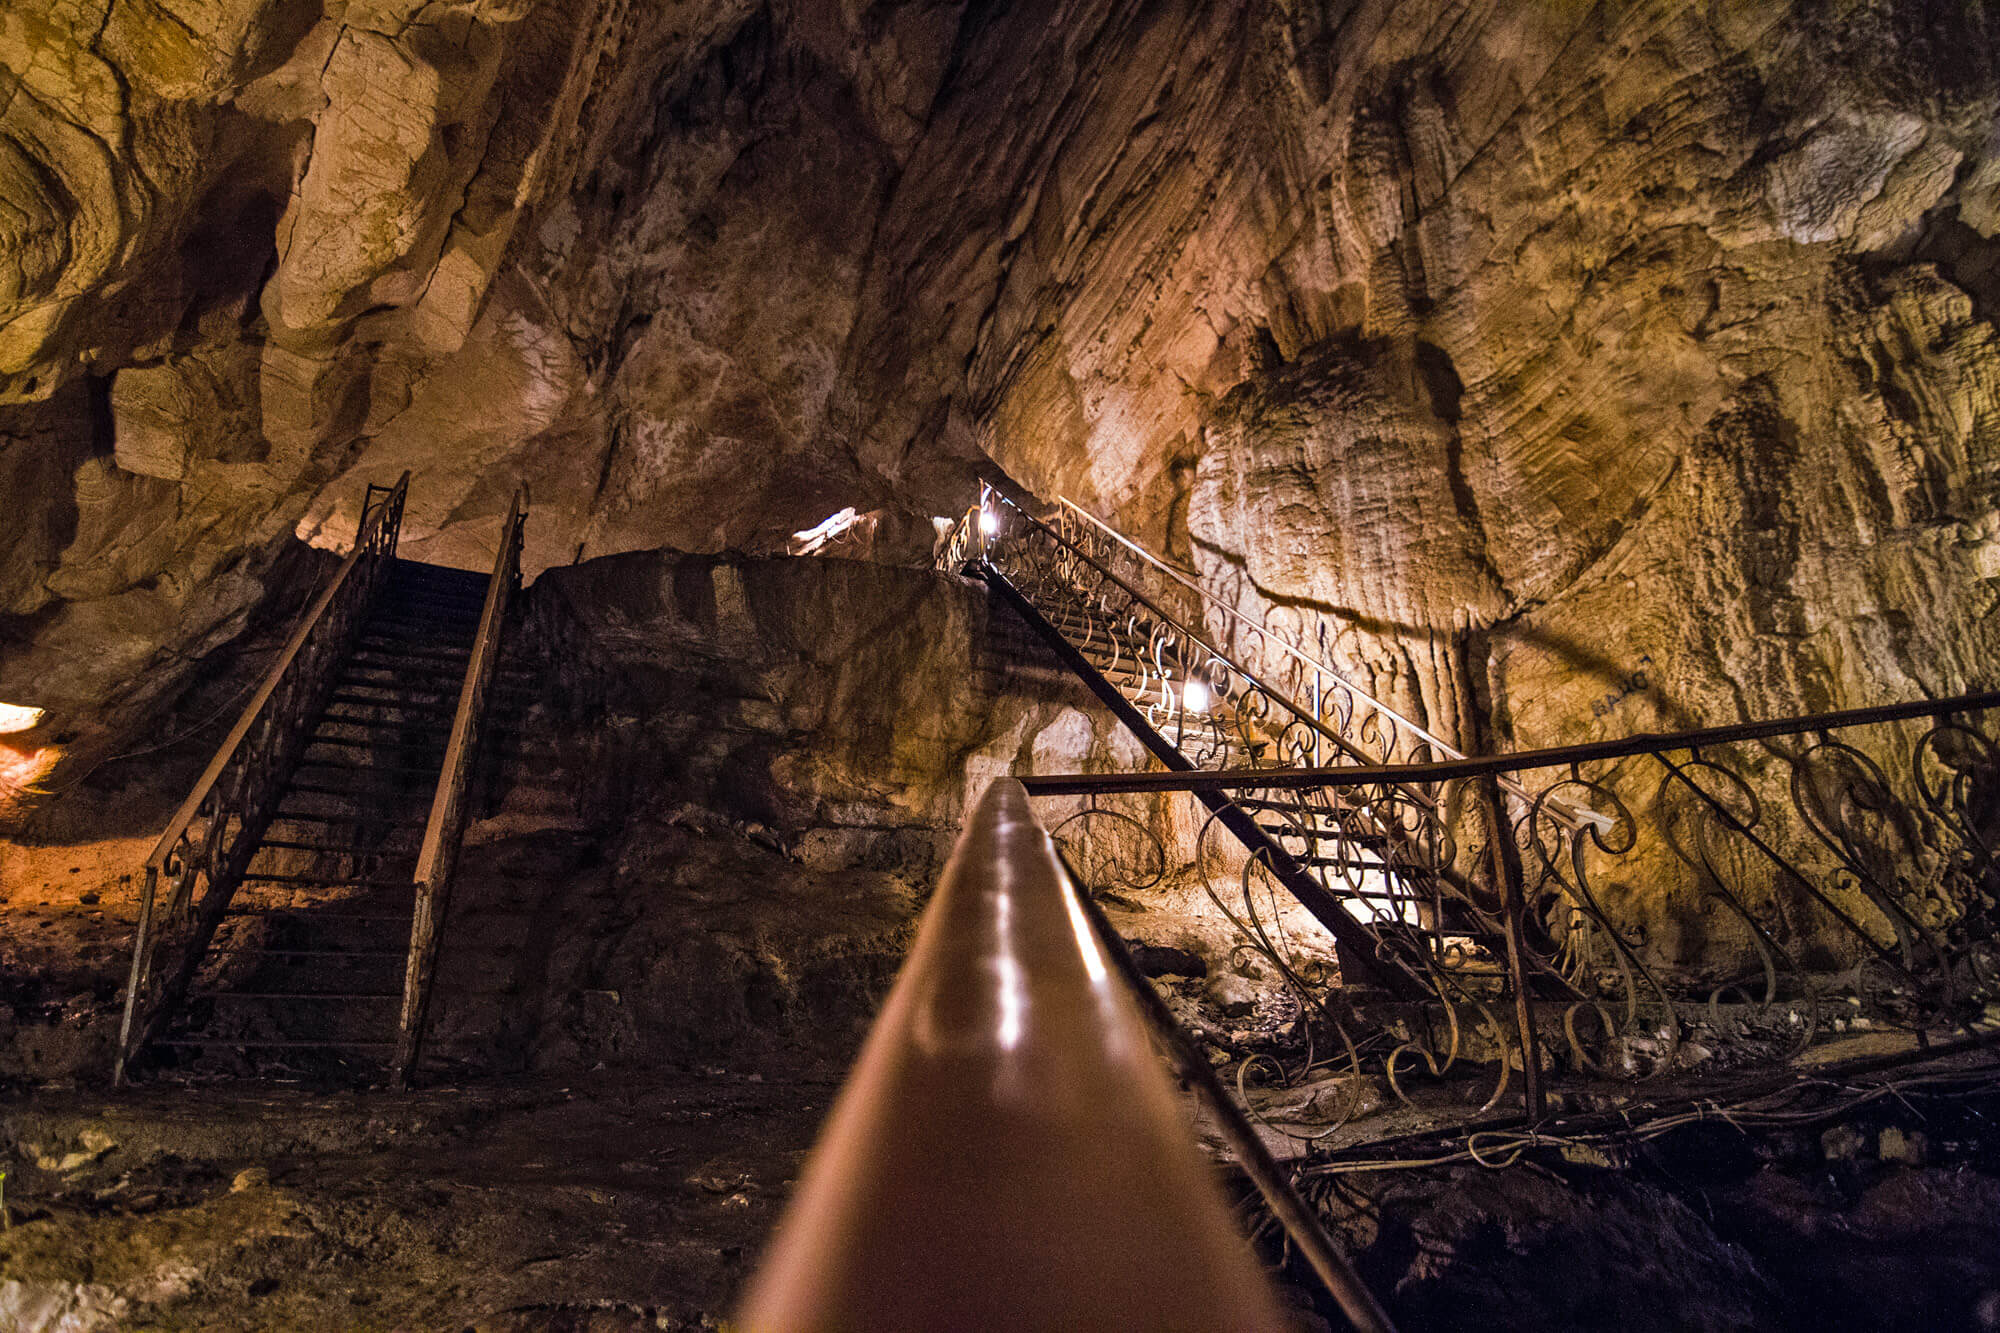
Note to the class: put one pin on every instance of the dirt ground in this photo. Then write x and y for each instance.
(493, 1209)
(618, 1202)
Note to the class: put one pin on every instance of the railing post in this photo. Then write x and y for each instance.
(1513, 908)
(139, 976)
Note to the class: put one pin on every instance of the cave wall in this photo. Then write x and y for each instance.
(1461, 327)
(1529, 345)
(766, 780)
(1527, 350)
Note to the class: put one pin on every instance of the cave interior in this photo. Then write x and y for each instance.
(539, 537)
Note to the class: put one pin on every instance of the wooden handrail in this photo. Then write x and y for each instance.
(163, 849)
(444, 830)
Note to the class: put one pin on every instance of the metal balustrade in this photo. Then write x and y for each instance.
(1824, 862)
(294, 829)
(205, 849)
(1815, 861)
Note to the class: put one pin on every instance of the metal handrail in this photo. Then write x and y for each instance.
(1438, 743)
(444, 830)
(237, 792)
(1007, 1153)
(1890, 847)
(370, 524)
(1277, 696)
(1267, 636)
(1563, 756)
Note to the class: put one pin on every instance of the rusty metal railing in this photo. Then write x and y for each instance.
(444, 831)
(202, 854)
(1007, 1153)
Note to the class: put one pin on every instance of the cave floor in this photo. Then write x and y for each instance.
(615, 1202)
(636, 1204)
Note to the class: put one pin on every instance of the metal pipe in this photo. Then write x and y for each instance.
(1645, 742)
(1007, 1153)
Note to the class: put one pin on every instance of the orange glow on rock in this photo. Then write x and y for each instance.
(20, 770)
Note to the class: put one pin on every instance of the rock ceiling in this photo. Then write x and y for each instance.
(1531, 340)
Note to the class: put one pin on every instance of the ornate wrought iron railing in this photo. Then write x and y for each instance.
(1371, 727)
(1347, 723)
(444, 831)
(1205, 700)
(1772, 883)
(203, 853)
(1369, 875)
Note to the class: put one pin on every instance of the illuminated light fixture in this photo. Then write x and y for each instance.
(1195, 696)
(989, 522)
(19, 717)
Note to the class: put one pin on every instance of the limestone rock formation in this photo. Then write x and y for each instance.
(1528, 350)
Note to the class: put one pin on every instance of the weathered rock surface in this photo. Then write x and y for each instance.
(746, 776)
(1531, 347)
(697, 274)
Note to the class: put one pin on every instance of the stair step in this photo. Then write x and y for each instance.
(335, 849)
(451, 665)
(1315, 834)
(401, 706)
(445, 684)
(432, 743)
(358, 954)
(412, 646)
(392, 821)
(279, 1045)
(435, 679)
(328, 765)
(441, 630)
(318, 916)
(324, 882)
(1283, 806)
(294, 995)
(384, 724)
(410, 792)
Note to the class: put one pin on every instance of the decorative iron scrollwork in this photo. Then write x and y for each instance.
(1813, 859)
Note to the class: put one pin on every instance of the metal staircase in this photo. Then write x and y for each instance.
(310, 868)
(1376, 873)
